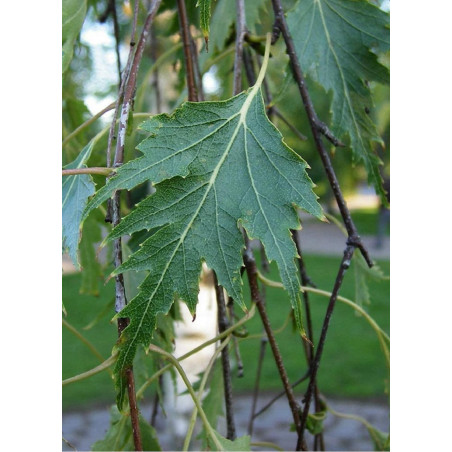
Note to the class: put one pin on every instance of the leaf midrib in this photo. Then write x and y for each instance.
(242, 122)
(344, 83)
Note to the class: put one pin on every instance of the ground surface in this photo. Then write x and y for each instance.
(83, 428)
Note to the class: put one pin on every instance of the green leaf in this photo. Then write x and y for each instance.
(225, 16)
(364, 274)
(92, 270)
(213, 402)
(314, 422)
(204, 18)
(119, 436)
(335, 41)
(76, 191)
(218, 166)
(379, 438)
(74, 12)
(240, 444)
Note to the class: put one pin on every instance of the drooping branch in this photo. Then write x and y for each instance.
(240, 37)
(251, 270)
(186, 39)
(318, 128)
(305, 280)
(111, 135)
(223, 326)
(126, 93)
(345, 264)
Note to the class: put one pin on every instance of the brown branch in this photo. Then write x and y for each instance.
(111, 134)
(126, 95)
(305, 281)
(240, 37)
(260, 362)
(198, 77)
(235, 342)
(223, 326)
(251, 270)
(345, 264)
(186, 39)
(316, 129)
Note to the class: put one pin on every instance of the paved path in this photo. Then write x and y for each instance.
(83, 428)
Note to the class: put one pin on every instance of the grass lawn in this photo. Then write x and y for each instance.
(352, 365)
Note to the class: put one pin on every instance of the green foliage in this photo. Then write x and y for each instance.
(119, 436)
(355, 359)
(335, 41)
(74, 12)
(379, 438)
(224, 17)
(204, 18)
(213, 402)
(364, 274)
(220, 169)
(199, 150)
(239, 444)
(92, 270)
(76, 191)
(314, 422)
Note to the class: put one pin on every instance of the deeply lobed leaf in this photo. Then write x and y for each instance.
(334, 40)
(218, 166)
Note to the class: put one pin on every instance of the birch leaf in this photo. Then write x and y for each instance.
(76, 191)
(74, 12)
(217, 166)
(225, 16)
(334, 41)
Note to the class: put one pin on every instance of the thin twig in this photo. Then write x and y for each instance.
(345, 264)
(316, 129)
(111, 9)
(128, 87)
(235, 342)
(260, 362)
(111, 134)
(210, 431)
(89, 373)
(240, 37)
(304, 377)
(87, 123)
(198, 77)
(222, 326)
(305, 280)
(83, 339)
(215, 339)
(250, 265)
(155, 74)
(202, 385)
(69, 444)
(92, 170)
(117, 39)
(189, 66)
(278, 113)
